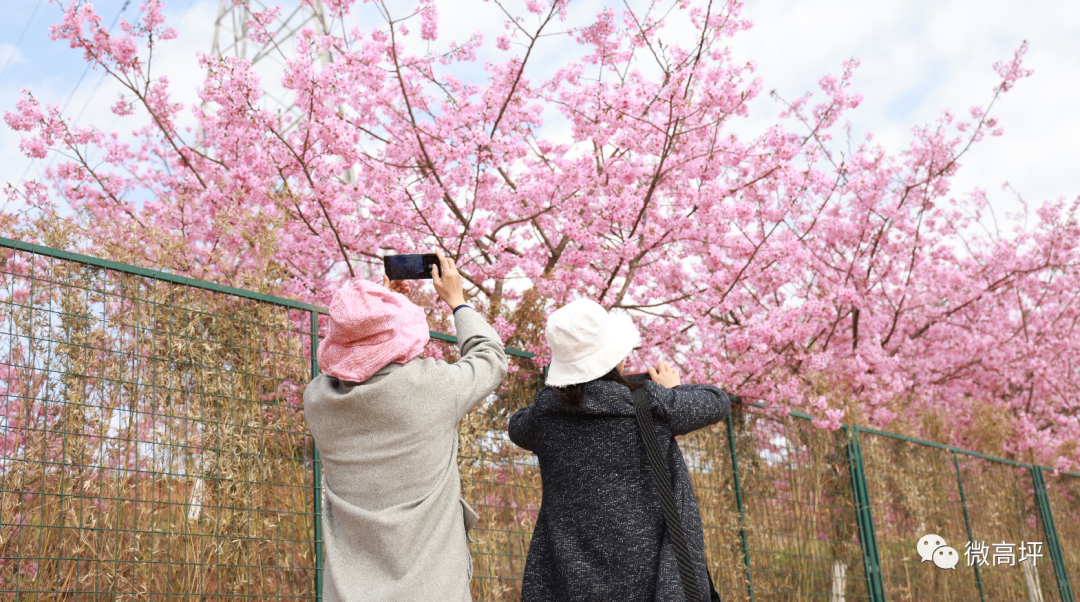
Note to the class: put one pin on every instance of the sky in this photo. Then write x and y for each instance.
(918, 58)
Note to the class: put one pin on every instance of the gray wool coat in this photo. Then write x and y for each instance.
(394, 522)
(600, 533)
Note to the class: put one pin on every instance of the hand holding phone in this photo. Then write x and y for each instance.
(448, 282)
(410, 267)
(441, 270)
(397, 286)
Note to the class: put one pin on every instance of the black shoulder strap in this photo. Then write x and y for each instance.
(667, 498)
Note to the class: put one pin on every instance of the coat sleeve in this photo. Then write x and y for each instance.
(520, 429)
(524, 422)
(687, 408)
(482, 366)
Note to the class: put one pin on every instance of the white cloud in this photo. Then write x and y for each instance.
(10, 55)
(921, 57)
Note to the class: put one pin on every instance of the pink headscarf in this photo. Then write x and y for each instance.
(370, 327)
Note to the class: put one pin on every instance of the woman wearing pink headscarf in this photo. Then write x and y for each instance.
(385, 421)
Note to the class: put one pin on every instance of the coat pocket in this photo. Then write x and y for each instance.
(471, 518)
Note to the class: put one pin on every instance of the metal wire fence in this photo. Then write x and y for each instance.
(152, 445)
(916, 488)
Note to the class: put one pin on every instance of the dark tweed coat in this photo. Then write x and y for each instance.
(599, 534)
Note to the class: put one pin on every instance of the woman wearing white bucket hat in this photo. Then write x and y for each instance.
(600, 534)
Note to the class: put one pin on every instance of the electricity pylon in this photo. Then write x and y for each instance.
(268, 60)
(231, 39)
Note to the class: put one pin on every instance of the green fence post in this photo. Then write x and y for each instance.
(967, 523)
(316, 463)
(1052, 544)
(739, 502)
(864, 518)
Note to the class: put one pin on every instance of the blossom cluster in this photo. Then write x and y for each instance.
(845, 281)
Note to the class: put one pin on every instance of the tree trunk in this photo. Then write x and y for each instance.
(1031, 578)
(196, 501)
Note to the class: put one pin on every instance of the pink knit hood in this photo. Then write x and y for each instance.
(370, 327)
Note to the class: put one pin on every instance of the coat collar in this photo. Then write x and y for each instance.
(387, 369)
(384, 371)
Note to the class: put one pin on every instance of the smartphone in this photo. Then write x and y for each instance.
(410, 267)
(637, 376)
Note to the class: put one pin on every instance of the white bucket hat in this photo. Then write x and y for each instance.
(587, 342)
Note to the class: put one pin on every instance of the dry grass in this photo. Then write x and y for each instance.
(153, 440)
(915, 491)
(153, 448)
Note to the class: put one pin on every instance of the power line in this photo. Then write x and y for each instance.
(78, 83)
(80, 80)
(17, 44)
(88, 99)
(33, 163)
(102, 78)
(89, 65)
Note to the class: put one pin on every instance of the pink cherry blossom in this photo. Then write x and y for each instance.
(853, 284)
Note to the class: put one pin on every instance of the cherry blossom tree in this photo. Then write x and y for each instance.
(799, 268)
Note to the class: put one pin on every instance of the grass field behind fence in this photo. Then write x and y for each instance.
(152, 446)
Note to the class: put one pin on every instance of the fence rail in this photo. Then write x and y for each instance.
(152, 445)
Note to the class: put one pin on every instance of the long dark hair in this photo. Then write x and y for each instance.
(573, 396)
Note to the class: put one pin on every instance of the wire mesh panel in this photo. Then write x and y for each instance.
(1008, 541)
(1064, 496)
(799, 510)
(153, 446)
(151, 439)
(708, 457)
(914, 492)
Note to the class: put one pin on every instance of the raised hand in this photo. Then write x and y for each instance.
(449, 284)
(395, 286)
(665, 375)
